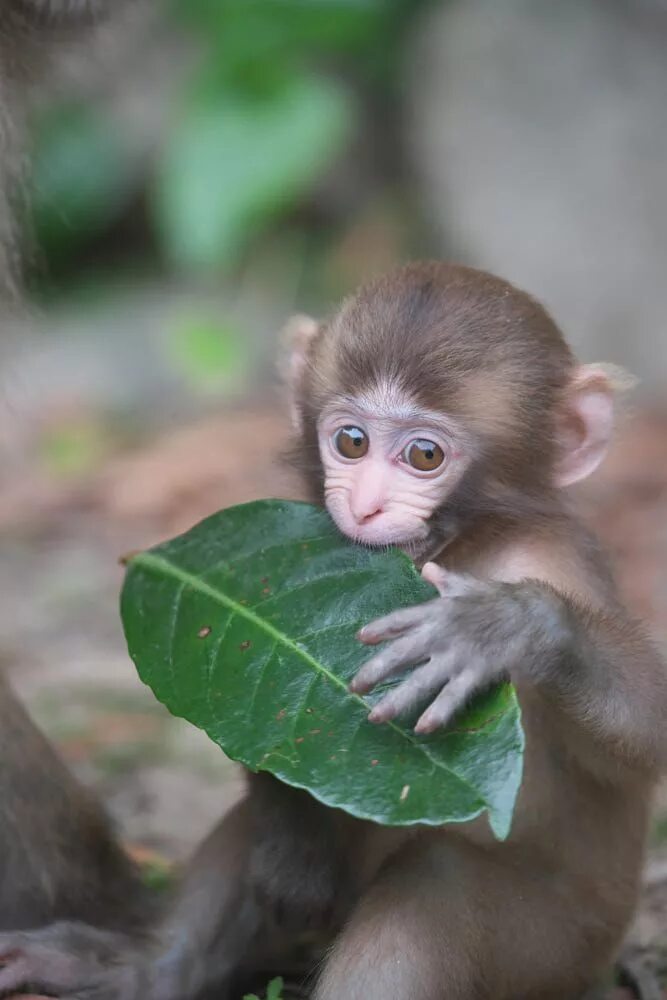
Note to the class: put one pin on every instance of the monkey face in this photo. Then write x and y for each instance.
(388, 465)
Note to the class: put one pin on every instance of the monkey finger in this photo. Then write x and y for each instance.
(450, 701)
(392, 625)
(391, 660)
(419, 685)
(437, 576)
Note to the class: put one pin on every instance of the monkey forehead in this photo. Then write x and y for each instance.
(432, 325)
(387, 401)
(461, 410)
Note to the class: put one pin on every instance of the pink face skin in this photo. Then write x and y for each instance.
(379, 498)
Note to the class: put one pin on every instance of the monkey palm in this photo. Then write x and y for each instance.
(439, 354)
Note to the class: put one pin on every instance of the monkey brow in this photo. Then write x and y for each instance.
(377, 404)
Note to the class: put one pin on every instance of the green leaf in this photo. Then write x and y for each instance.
(211, 355)
(234, 162)
(82, 175)
(246, 627)
(271, 29)
(273, 991)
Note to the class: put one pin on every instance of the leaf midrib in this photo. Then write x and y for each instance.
(150, 561)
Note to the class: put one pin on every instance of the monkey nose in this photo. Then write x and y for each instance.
(362, 519)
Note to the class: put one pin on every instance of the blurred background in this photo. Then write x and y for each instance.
(199, 170)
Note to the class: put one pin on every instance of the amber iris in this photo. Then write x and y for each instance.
(351, 442)
(425, 456)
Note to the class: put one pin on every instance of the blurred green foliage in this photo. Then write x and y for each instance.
(81, 177)
(236, 160)
(272, 102)
(211, 355)
(274, 991)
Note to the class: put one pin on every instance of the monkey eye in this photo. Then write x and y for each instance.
(423, 455)
(351, 442)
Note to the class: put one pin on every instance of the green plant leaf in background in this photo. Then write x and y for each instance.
(211, 355)
(233, 161)
(246, 627)
(82, 173)
(260, 32)
(274, 991)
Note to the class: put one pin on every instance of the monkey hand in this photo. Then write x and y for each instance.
(73, 960)
(476, 633)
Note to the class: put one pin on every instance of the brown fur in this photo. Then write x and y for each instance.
(459, 341)
(58, 859)
(471, 346)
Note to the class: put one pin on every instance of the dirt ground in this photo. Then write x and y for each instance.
(61, 641)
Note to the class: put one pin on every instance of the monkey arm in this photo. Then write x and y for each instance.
(612, 680)
(598, 664)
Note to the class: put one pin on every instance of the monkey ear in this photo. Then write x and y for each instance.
(296, 338)
(586, 421)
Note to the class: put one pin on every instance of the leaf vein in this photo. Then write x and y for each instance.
(157, 564)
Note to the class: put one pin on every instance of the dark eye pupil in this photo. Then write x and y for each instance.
(354, 435)
(429, 453)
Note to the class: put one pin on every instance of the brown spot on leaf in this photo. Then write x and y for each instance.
(204, 631)
(281, 715)
(264, 579)
(315, 732)
(245, 645)
(299, 739)
(374, 762)
(266, 590)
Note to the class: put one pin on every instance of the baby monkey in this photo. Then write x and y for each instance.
(439, 410)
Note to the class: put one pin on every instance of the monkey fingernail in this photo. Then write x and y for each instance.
(425, 726)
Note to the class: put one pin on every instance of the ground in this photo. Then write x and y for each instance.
(60, 637)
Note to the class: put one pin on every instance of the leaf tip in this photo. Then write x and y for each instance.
(127, 557)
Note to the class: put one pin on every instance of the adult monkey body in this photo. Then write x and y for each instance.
(441, 410)
(58, 859)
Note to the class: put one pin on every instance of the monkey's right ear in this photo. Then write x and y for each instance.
(296, 338)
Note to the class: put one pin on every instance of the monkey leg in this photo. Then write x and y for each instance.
(58, 858)
(444, 921)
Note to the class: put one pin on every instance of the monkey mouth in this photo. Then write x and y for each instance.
(384, 536)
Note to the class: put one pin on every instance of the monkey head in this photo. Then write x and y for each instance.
(436, 395)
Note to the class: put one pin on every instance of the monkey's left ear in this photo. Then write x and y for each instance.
(297, 336)
(586, 421)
